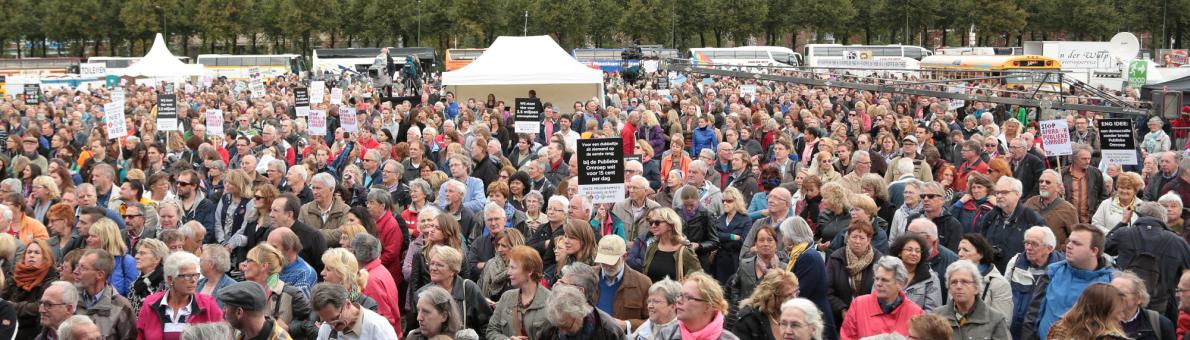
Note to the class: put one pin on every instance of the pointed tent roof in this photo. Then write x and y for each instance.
(159, 62)
(524, 60)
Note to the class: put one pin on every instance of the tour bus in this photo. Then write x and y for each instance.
(114, 64)
(338, 60)
(37, 66)
(239, 67)
(456, 58)
(761, 58)
(1029, 69)
(975, 50)
(610, 60)
(855, 58)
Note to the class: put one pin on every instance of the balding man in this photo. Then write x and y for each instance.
(296, 272)
(1059, 214)
(634, 211)
(779, 209)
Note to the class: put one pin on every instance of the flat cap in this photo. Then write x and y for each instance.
(247, 295)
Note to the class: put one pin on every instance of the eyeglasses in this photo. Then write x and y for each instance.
(181, 183)
(990, 145)
(188, 277)
(929, 196)
(48, 305)
(954, 283)
(688, 297)
(729, 201)
(130, 216)
(1002, 192)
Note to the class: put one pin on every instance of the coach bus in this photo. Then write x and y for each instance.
(1028, 69)
(37, 66)
(115, 64)
(239, 67)
(856, 58)
(456, 58)
(610, 60)
(359, 60)
(750, 58)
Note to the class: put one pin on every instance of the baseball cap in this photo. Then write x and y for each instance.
(247, 295)
(910, 138)
(611, 248)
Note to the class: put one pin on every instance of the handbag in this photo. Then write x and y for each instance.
(681, 269)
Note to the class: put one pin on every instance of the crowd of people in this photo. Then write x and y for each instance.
(753, 210)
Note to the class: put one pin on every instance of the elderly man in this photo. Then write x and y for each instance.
(778, 210)
(79, 327)
(275, 173)
(99, 300)
(245, 310)
(1083, 183)
(1026, 167)
(473, 190)
(295, 182)
(1148, 239)
(538, 180)
(296, 272)
(58, 303)
(1007, 222)
(1058, 213)
(104, 178)
(1181, 185)
(939, 257)
(580, 209)
(381, 286)
(886, 309)
(1168, 172)
(411, 166)
(1138, 322)
(483, 248)
(633, 212)
(453, 193)
(344, 319)
(968, 314)
(861, 164)
(1026, 268)
(710, 197)
(134, 219)
(1057, 291)
(393, 184)
(722, 164)
(327, 213)
(372, 174)
(620, 288)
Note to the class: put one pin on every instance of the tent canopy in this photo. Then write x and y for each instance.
(524, 60)
(160, 63)
(1181, 85)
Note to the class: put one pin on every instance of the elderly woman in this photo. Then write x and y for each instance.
(341, 268)
(181, 277)
(850, 268)
(808, 264)
(420, 194)
(520, 311)
(662, 304)
(800, 320)
(996, 291)
(493, 281)
(286, 304)
(150, 256)
(834, 217)
(764, 305)
(755, 268)
(970, 318)
(63, 236)
(534, 218)
(1173, 212)
(665, 196)
(214, 264)
(1122, 205)
(864, 208)
(104, 234)
(924, 287)
(1156, 140)
(30, 277)
(699, 224)
(444, 264)
(44, 194)
(1136, 321)
(437, 315)
(701, 310)
(666, 254)
(390, 232)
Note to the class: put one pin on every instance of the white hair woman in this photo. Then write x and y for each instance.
(800, 320)
(181, 280)
(436, 313)
(979, 320)
(662, 305)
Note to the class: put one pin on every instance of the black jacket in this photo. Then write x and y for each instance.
(701, 229)
(1007, 232)
(313, 244)
(1144, 327)
(1028, 170)
(753, 325)
(605, 328)
(840, 287)
(950, 231)
(1149, 234)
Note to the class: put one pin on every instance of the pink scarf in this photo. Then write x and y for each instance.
(711, 332)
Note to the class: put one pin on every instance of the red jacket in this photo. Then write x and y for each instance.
(628, 133)
(149, 324)
(865, 318)
(392, 243)
(1183, 323)
(960, 180)
(383, 289)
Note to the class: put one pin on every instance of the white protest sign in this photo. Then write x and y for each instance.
(113, 118)
(118, 96)
(317, 91)
(347, 119)
(336, 96)
(955, 104)
(1055, 137)
(748, 90)
(214, 122)
(317, 123)
(257, 88)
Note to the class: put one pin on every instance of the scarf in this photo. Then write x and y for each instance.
(28, 277)
(856, 265)
(712, 330)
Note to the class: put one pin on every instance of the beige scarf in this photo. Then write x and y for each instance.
(856, 265)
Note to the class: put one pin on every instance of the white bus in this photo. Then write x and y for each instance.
(854, 58)
(760, 58)
(119, 63)
(238, 67)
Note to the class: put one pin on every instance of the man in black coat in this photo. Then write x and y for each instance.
(486, 169)
(1025, 167)
(1006, 224)
(284, 212)
(1149, 234)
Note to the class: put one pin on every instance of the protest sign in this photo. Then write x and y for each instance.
(302, 101)
(167, 112)
(113, 118)
(1117, 141)
(118, 95)
(317, 123)
(168, 87)
(317, 91)
(748, 90)
(214, 122)
(347, 119)
(528, 115)
(336, 96)
(32, 94)
(257, 88)
(1055, 137)
(601, 169)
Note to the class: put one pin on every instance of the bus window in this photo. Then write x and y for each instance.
(913, 52)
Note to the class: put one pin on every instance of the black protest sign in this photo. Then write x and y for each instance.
(601, 169)
(32, 94)
(167, 112)
(528, 115)
(663, 81)
(1117, 140)
(301, 101)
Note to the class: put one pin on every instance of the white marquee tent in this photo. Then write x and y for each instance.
(160, 63)
(514, 65)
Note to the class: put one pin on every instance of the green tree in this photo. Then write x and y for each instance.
(602, 28)
(868, 18)
(565, 20)
(141, 21)
(218, 21)
(827, 16)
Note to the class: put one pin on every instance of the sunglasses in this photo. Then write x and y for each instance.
(656, 222)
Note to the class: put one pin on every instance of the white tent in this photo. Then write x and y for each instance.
(160, 63)
(514, 65)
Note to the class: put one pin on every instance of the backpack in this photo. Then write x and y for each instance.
(1147, 265)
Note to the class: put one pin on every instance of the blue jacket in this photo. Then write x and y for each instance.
(810, 269)
(760, 203)
(727, 260)
(704, 138)
(1049, 304)
(1022, 283)
(123, 273)
(971, 215)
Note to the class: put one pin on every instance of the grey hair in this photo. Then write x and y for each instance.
(188, 232)
(381, 196)
(916, 184)
(706, 152)
(13, 184)
(139, 207)
(1171, 197)
(887, 336)
(904, 166)
(325, 178)
(676, 172)
(965, 265)
(893, 264)
(1138, 285)
(161, 206)
(932, 186)
(1151, 209)
(429, 211)
(175, 262)
(218, 255)
(687, 192)
(668, 288)
(493, 208)
(794, 230)
(553, 199)
(5, 212)
(857, 154)
(393, 162)
(445, 304)
(301, 171)
(70, 293)
(810, 310)
(424, 186)
(566, 302)
(1047, 235)
(931, 228)
(66, 329)
(277, 164)
(697, 165)
(365, 247)
(328, 294)
(639, 180)
(208, 331)
(456, 185)
(1013, 182)
(584, 276)
(634, 162)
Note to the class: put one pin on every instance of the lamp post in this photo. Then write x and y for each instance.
(164, 23)
(418, 22)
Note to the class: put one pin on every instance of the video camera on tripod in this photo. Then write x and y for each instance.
(631, 54)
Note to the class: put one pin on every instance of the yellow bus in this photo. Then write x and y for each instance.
(456, 58)
(239, 67)
(1030, 69)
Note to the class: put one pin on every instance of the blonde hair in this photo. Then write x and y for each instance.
(109, 236)
(737, 204)
(670, 216)
(835, 194)
(268, 256)
(864, 202)
(8, 248)
(710, 289)
(241, 180)
(344, 264)
(350, 229)
(49, 184)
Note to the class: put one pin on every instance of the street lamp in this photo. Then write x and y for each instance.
(164, 23)
(418, 22)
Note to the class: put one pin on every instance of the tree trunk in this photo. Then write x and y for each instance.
(186, 44)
